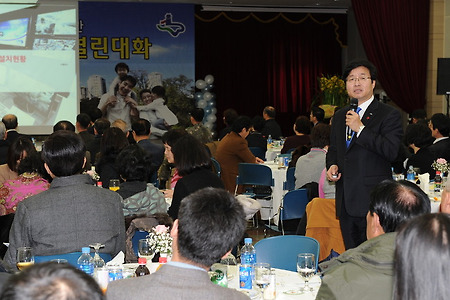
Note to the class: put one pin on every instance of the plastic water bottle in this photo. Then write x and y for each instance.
(410, 174)
(85, 261)
(394, 176)
(269, 141)
(248, 253)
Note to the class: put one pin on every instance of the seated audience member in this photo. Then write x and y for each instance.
(255, 137)
(198, 130)
(271, 127)
(141, 134)
(64, 125)
(11, 125)
(31, 181)
(418, 138)
(113, 141)
(18, 150)
(139, 197)
(309, 167)
(422, 254)
(193, 164)
(417, 116)
(317, 115)
(367, 271)
(166, 172)
(121, 125)
(210, 223)
(4, 145)
(49, 281)
(302, 129)
(120, 105)
(440, 129)
(73, 212)
(82, 125)
(232, 150)
(229, 116)
(100, 125)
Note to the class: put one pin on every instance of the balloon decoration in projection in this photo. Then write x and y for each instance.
(207, 100)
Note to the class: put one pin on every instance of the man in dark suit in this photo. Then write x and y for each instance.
(210, 223)
(82, 125)
(4, 145)
(141, 134)
(11, 124)
(373, 143)
(271, 127)
(440, 128)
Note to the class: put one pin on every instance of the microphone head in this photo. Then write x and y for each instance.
(353, 103)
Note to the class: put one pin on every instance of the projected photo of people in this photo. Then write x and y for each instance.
(57, 23)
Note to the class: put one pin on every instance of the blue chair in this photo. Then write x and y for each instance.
(70, 257)
(293, 206)
(216, 166)
(258, 152)
(281, 251)
(138, 235)
(255, 176)
(289, 184)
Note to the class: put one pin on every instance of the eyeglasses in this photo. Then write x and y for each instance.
(354, 79)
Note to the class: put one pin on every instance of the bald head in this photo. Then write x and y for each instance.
(10, 121)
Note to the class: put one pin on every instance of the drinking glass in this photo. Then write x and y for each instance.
(145, 249)
(262, 278)
(306, 267)
(25, 257)
(114, 184)
(98, 261)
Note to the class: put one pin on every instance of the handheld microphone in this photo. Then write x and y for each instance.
(354, 107)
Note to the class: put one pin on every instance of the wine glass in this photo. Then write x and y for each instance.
(306, 267)
(114, 184)
(145, 249)
(25, 257)
(262, 278)
(97, 260)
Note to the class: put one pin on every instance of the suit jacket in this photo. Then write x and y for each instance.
(156, 152)
(441, 149)
(171, 282)
(367, 161)
(71, 214)
(271, 127)
(231, 151)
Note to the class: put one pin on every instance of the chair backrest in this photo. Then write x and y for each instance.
(281, 251)
(289, 184)
(70, 257)
(294, 204)
(254, 174)
(216, 166)
(258, 152)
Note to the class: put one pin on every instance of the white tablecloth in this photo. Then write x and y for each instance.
(285, 281)
(279, 176)
(272, 153)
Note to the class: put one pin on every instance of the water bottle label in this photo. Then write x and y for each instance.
(245, 277)
(248, 258)
(87, 268)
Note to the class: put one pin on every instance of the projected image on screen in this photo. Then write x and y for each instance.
(57, 23)
(38, 69)
(14, 32)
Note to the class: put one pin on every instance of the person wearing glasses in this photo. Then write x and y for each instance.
(363, 144)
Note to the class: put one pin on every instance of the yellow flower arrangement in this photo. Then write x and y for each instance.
(333, 90)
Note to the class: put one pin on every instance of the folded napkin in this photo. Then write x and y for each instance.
(424, 182)
(119, 259)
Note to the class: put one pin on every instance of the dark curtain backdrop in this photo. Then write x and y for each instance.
(268, 59)
(395, 36)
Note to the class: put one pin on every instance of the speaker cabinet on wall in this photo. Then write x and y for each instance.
(443, 76)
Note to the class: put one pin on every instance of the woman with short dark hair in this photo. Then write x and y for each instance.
(18, 150)
(193, 163)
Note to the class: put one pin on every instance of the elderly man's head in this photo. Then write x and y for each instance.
(392, 203)
(10, 121)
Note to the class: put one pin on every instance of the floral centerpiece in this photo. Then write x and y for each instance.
(161, 239)
(441, 165)
(333, 90)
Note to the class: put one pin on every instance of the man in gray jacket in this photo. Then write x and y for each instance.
(210, 223)
(72, 213)
(366, 272)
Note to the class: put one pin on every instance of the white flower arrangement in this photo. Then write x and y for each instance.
(441, 165)
(161, 239)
